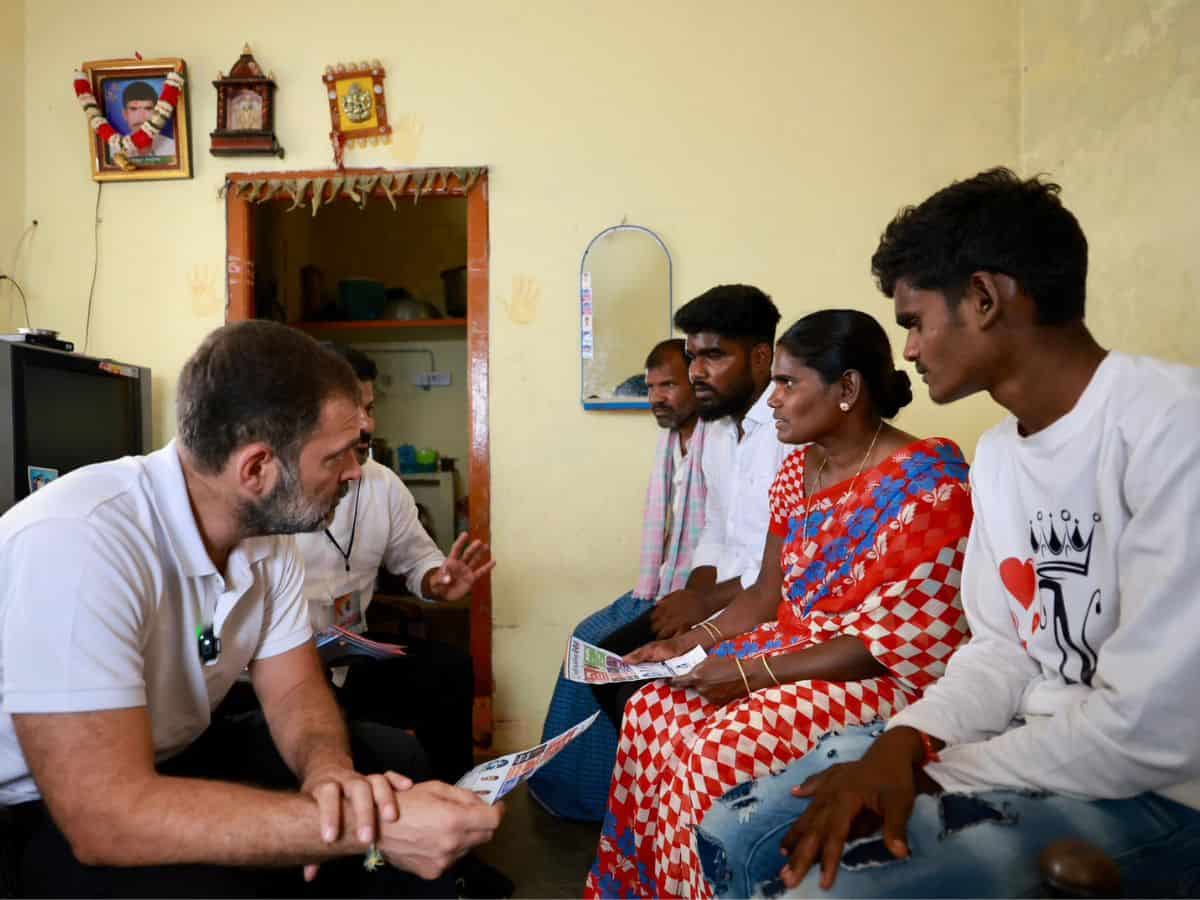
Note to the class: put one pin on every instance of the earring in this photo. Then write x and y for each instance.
(844, 406)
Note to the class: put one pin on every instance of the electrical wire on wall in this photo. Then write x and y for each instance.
(87, 327)
(24, 302)
(377, 349)
(13, 270)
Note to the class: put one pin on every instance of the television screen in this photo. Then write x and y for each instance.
(75, 418)
(60, 411)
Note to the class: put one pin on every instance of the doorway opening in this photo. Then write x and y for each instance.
(394, 263)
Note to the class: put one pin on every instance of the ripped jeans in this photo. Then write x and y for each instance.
(982, 845)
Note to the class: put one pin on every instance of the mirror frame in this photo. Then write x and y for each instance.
(632, 403)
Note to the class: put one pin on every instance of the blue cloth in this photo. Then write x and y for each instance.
(981, 845)
(574, 785)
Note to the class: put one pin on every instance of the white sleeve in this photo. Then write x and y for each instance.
(762, 513)
(286, 622)
(712, 536)
(1138, 729)
(410, 550)
(74, 601)
(985, 679)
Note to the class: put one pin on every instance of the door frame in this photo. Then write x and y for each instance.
(423, 183)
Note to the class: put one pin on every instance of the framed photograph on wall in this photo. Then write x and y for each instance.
(137, 114)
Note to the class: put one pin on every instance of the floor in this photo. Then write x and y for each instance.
(544, 856)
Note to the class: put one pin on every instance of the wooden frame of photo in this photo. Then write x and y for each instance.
(111, 80)
(365, 78)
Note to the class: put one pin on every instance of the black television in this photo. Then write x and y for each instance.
(60, 411)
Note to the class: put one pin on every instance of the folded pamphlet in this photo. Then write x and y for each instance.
(590, 664)
(493, 779)
(336, 643)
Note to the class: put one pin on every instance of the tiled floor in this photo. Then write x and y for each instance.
(544, 856)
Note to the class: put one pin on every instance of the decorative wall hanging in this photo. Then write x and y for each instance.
(137, 118)
(358, 185)
(245, 111)
(357, 106)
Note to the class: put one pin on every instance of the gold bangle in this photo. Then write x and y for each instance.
(704, 626)
(767, 666)
(745, 680)
(716, 630)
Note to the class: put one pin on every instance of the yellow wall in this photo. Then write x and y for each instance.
(767, 142)
(12, 157)
(1112, 110)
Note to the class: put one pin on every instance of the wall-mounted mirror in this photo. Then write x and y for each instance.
(625, 309)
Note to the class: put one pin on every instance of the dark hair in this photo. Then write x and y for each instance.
(834, 341)
(730, 310)
(364, 367)
(138, 90)
(256, 381)
(994, 222)
(663, 350)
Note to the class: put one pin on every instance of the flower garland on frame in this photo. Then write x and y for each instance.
(122, 146)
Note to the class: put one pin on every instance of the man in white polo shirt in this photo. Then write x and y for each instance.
(134, 592)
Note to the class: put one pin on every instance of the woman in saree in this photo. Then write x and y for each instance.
(855, 611)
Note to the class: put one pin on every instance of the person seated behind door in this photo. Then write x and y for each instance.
(574, 784)
(430, 689)
(133, 594)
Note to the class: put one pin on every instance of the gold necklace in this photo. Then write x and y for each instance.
(817, 486)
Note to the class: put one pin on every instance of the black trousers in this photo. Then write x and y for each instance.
(235, 748)
(613, 697)
(429, 691)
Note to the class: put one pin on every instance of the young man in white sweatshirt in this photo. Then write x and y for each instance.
(1072, 712)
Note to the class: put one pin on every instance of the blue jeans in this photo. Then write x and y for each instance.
(981, 845)
(574, 785)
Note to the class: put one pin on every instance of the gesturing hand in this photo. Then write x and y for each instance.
(718, 680)
(853, 799)
(678, 611)
(462, 568)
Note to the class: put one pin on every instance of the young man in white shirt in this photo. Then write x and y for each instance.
(1071, 713)
(730, 342)
(135, 592)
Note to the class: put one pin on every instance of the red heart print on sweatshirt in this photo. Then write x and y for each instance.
(1020, 579)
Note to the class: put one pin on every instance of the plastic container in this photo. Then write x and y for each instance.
(427, 460)
(406, 458)
(361, 299)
